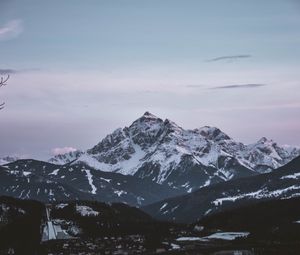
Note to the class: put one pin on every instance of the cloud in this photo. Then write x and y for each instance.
(63, 150)
(194, 86)
(11, 29)
(232, 57)
(8, 71)
(240, 86)
(5, 71)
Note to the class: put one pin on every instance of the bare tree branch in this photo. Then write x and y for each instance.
(3, 81)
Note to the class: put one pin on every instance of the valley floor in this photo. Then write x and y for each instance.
(136, 245)
(90, 228)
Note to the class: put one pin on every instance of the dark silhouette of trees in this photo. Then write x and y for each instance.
(3, 81)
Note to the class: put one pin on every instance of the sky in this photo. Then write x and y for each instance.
(80, 69)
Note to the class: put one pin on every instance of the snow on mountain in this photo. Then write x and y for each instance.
(265, 155)
(8, 159)
(164, 152)
(84, 210)
(43, 181)
(62, 159)
(282, 183)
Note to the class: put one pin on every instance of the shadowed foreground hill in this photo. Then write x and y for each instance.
(281, 183)
(30, 227)
(94, 219)
(20, 224)
(269, 220)
(42, 181)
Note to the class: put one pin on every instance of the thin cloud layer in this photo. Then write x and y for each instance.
(240, 86)
(194, 86)
(11, 29)
(8, 71)
(15, 71)
(232, 57)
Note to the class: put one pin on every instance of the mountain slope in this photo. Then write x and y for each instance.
(281, 183)
(62, 159)
(7, 160)
(150, 160)
(268, 220)
(32, 179)
(161, 151)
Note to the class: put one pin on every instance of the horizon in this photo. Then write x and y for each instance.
(79, 70)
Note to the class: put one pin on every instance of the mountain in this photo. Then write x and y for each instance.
(161, 151)
(282, 183)
(62, 159)
(151, 160)
(7, 159)
(20, 181)
(32, 179)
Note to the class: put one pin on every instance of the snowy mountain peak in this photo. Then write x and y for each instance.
(268, 146)
(170, 125)
(147, 118)
(264, 140)
(213, 133)
(162, 151)
(62, 159)
(149, 115)
(147, 123)
(144, 131)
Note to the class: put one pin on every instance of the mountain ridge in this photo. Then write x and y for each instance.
(164, 152)
(32, 179)
(283, 183)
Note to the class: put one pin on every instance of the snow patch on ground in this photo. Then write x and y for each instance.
(61, 206)
(163, 206)
(90, 179)
(227, 235)
(26, 173)
(263, 193)
(291, 176)
(84, 210)
(107, 180)
(120, 192)
(174, 246)
(189, 190)
(207, 212)
(189, 238)
(55, 172)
